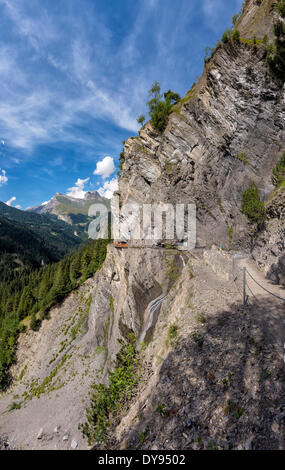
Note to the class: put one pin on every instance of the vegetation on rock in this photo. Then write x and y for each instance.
(278, 176)
(280, 7)
(37, 291)
(252, 206)
(159, 108)
(108, 399)
(29, 241)
(276, 59)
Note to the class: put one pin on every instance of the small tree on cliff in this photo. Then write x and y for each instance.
(159, 108)
(141, 119)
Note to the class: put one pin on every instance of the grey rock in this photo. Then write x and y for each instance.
(248, 444)
(73, 444)
(205, 141)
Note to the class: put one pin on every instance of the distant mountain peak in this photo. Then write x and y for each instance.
(91, 195)
(73, 211)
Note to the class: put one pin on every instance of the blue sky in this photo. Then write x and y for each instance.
(74, 76)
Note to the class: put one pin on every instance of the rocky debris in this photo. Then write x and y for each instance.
(65, 437)
(248, 444)
(220, 262)
(225, 392)
(4, 444)
(269, 248)
(73, 444)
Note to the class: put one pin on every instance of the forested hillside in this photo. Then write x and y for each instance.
(57, 235)
(21, 250)
(73, 211)
(33, 294)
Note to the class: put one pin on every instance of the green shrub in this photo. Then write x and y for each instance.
(198, 338)
(142, 437)
(200, 318)
(161, 409)
(280, 7)
(141, 119)
(112, 303)
(14, 406)
(160, 109)
(34, 323)
(236, 36)
(160, 115)
(276, 58)
(227, 35)
(230, 234)
(278, 176)
(235, 18)
(209, 52)
(172, 336)
(121, 163)
(252, 206)
(243, 158)
(220, 204)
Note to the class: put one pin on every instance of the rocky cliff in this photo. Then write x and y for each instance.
(228, 131)
(269, 248)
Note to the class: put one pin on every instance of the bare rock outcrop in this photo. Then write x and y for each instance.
(227, 132)
(269, 249)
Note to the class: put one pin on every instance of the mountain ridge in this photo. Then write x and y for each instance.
(73, 211)
(36, 239)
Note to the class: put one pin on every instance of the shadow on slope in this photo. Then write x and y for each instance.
(222, 387)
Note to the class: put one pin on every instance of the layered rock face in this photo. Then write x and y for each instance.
(228, 131)
(269, 249)
(257, 19)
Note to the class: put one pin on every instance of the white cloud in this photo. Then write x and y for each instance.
(10, 201)
(56, 104)
(50, 91)
(105, 167)
(108, 188)
(2, 142)
(18, 206)
(77, 191)
(3, 177)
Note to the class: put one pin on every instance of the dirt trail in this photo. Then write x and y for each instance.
(221, 384)
(264, 299)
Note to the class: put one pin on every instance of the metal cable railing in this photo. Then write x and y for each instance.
(237, 270)
(240, 277)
